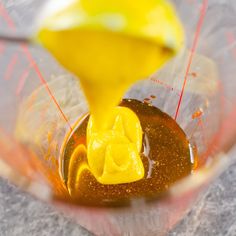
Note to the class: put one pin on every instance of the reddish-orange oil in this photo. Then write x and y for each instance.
(165, 155)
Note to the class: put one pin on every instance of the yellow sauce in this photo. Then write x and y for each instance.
(114, 154)
(109, 45)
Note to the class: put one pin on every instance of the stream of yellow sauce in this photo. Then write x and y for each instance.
(109, 45)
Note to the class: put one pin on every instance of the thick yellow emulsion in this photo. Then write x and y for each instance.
(114, 154)
(109, 45)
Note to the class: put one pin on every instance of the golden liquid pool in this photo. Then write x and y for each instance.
(165, 155)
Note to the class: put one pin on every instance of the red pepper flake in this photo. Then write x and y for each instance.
(146, 99)
(194, 74)
(197, 114)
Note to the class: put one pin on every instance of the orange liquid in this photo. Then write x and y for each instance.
(165, 155)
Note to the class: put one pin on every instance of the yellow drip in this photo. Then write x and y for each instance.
(109, 45)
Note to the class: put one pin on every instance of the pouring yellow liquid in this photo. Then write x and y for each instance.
(109, 45)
